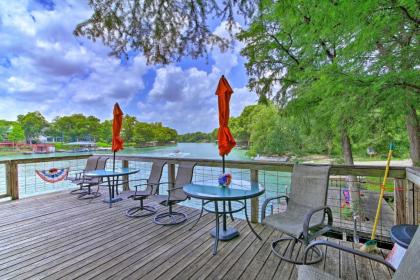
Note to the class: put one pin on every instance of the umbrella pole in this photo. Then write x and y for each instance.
(223, 164)
(113, 163)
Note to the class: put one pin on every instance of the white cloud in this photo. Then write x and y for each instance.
(186, 97)
(53, 69)
(44, 67)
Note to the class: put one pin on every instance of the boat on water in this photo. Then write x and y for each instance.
(178, 153)
(272, 158)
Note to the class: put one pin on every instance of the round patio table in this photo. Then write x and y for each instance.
(403, 234)
(112, 177)
(239, 191)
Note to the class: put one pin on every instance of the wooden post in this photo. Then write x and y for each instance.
(254, 201)
(400, 201)
(12, 182)
(171, 175)
(410, 202)
(126, 185)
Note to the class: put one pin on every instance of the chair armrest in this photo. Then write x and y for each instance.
(307, 220)
(137, 180)
(267, 200)
(173, 189)
(348, 250)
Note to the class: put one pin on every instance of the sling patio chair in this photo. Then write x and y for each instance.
(304, 218)
(89, 182)
(152, 187)
(78, 177)
(175, 195)
(408, 268)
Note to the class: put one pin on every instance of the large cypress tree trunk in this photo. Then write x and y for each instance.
(413, 129)
(353, 186)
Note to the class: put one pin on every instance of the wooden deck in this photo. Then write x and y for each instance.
(56, 236)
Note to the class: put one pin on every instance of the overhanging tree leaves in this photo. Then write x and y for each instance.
(164, 31)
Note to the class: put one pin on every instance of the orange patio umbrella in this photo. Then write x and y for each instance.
(117, 142)
(224, 137)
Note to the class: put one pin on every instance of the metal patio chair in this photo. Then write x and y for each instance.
(408, 268)
(152, 185)
(304, 218)
(88, 182)
(78, 177)
(175, 195)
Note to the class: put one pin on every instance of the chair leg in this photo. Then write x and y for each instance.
(170, 217)
(78, 191)
(89, 194)
(199, 217)
(288, 254)
(140, 211)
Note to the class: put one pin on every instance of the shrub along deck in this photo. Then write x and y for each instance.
(57, 236)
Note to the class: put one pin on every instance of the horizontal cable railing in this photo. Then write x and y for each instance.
(3, 183)
(274, 176)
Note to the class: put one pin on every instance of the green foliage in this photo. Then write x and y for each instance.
(351, 66)
(103, 144)
(78, 127)
(32, 123)
(195, 137)
(129, 123)
(17, 133)
(146, 132)
(60, 146)
(164, 30)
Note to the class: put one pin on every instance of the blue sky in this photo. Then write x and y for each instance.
(44, 67)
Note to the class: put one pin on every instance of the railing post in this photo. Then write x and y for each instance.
(410, 202)
(254, 201)
(400, 201)
(171, 175)
(12, 181)
(126, 185)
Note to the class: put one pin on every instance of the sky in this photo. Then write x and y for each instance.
(44, 67)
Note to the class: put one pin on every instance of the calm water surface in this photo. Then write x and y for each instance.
(30, 184)
(188, 150)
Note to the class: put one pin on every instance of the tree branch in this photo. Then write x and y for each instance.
(407, 14)
(285, 49)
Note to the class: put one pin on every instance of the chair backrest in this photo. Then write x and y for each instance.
(99, 166)
(184, 176)
(409, 267)
(91, 163)
(309, 189)
(155, 176)
(102, 163)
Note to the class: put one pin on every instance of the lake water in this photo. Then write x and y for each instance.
(188, 150)
(30, 184)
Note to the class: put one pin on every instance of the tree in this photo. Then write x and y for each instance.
(105, 131)
(32, 123)
(354, 55)
(76, 127)
(195, 137)
(129, 123)
(164, 31)
(16, 134)
(365, 48)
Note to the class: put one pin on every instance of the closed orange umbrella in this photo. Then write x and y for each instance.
(117, 142)
(224, 137)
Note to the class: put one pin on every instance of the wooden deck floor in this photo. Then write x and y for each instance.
(57, 236)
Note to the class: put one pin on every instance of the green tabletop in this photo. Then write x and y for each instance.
(239, 189)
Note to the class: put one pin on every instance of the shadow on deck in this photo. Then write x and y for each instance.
(57, 236)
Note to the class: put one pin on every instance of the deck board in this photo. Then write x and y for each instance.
(56, 236)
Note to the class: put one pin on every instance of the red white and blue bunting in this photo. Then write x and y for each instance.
(53, 175)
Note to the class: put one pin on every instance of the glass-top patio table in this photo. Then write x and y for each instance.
(112, 177)
(239, 191)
